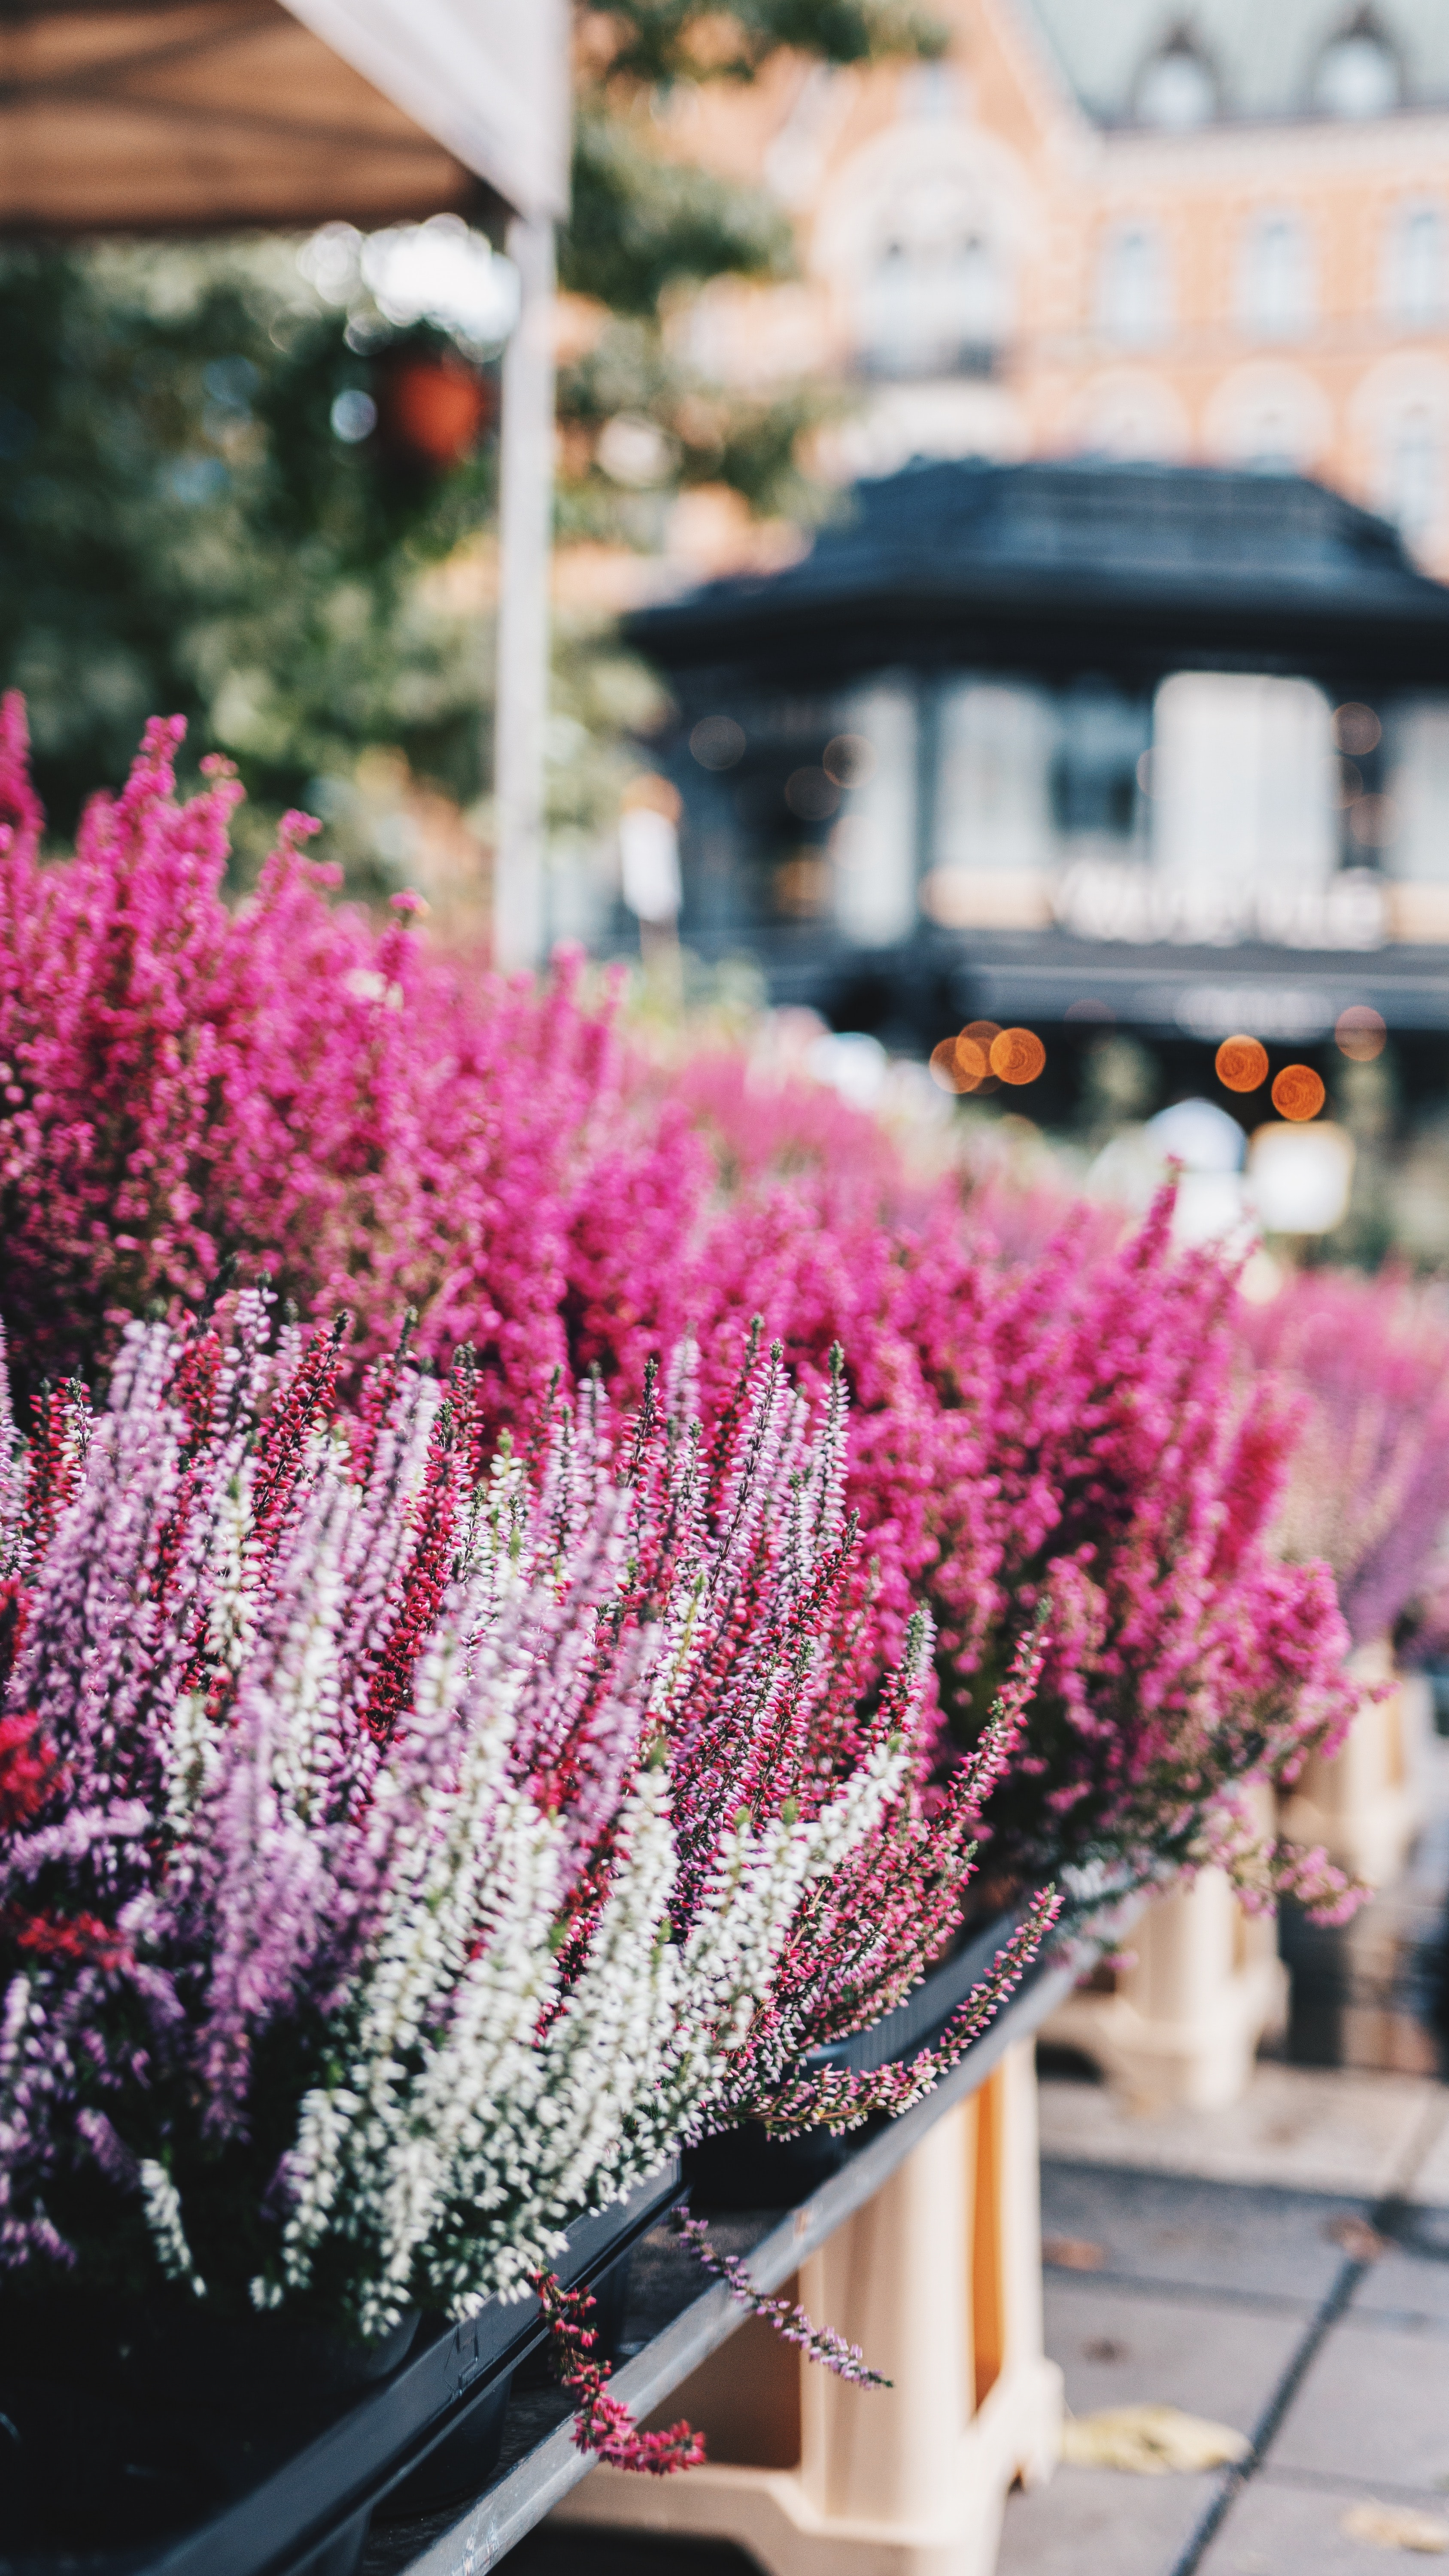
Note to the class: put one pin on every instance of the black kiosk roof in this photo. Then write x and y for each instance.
(1061, 566)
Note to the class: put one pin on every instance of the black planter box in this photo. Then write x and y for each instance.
(745, 2168)
(285, 2490)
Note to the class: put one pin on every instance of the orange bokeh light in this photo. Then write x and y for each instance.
(1360, 1033)
(1242, 1064)
(1298, 1092)
(1017, 1055)
(963, 1063)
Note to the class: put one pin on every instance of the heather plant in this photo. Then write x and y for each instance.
(1137, 1488)
(1071, 1437)
(182, 1085)
(408, 1842)
(1368, 1488)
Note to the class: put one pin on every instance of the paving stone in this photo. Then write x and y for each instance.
(1301, 2127)
(1411, 2282)
(1097, 2522)
(1121, 2347)
(1373, 2407)
(1281, 2527)
(1429, 2182)
(1207, 2235)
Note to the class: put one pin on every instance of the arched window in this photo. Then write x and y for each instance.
(1177, 87)
(1132, 296)
(1358, 74)
(1414, 470)
(937, 296)
(1416, 268)
(1275, 277)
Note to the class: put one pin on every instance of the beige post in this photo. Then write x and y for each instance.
(1182, 2026)
(1367, 1803)
(939, 2280)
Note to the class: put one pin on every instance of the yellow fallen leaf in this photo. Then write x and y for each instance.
(1149, 2441)
(1397, 2526)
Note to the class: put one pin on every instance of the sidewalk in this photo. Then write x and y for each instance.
(1282, 2268)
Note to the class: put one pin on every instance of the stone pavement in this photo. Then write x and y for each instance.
(1282, 2268)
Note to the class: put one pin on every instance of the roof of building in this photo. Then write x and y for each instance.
(1076, 563)
(1265, 59)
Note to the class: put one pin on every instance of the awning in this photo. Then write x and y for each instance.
(191, 115)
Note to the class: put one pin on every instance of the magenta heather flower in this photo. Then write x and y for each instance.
(181, 1085)
(1367, 1361)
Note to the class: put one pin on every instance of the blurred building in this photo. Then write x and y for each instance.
(1126, 228)
(1076, 744)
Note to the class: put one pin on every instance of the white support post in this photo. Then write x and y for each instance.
(525, 537)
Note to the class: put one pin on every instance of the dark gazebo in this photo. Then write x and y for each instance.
(1069, 741)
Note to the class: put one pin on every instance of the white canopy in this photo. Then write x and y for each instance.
(487, 78)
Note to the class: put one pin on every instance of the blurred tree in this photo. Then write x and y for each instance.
(201, 509)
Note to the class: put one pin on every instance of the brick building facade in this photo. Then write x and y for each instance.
(1101, 226)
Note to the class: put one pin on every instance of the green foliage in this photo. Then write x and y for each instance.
(653, 41)
(639, 226)
(703, 435)
(181, 530)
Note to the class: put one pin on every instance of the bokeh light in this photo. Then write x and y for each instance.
(980, 1035)
(1356, 729)
(1242, 1064)
(1373, 821)
(963, 1063)
(849, 759)
(1298, 1092)
(1017, 1055)
(1360, 1033)
(717, 742)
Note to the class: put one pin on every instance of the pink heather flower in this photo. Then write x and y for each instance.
(1367, 1362)
(1041, 1416)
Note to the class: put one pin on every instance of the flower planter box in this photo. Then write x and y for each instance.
(936, 2272)
(745, 2168)
(875, 2252)
(283, 2489)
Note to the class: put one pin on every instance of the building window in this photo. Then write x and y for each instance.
(1272, 418)
(1417, 264)
(1177, 88)
(1413, 471)
(1358, 73)
(1132, 297)
(1275, 277)
(937, 298)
